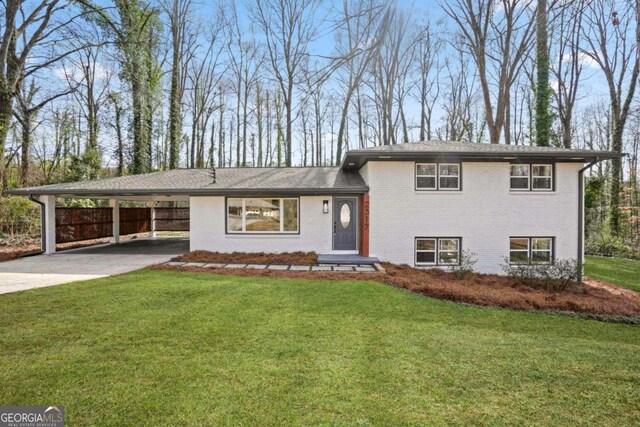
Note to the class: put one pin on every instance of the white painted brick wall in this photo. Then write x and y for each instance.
(485, 213)
(208, 229)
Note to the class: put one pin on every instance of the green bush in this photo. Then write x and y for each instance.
(610, 246)
(559, 276)
(19, 216)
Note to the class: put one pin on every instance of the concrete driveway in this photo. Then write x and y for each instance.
(87, 263)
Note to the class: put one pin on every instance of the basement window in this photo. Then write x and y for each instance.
(437, 251)
(534, 250)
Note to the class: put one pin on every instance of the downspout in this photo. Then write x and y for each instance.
(581, 218)
(43, 233)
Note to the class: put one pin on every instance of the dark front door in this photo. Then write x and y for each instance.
(345, 224)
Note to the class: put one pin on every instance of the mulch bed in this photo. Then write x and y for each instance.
(291, 258)
(478, 289)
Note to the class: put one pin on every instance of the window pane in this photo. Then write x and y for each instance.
(450, 170)
(426, 257)
(449, 182)
(520, 183)
(542, 183)
(234, 214)
(542, 170)
(541, 256)
(448, 257)
(426, 182)
(544, 244)
(520, 170)
(262, 214)
(290, 209)
(522, 244)
(426, 169)
(426, 244)
(448, 244)
(517, 257)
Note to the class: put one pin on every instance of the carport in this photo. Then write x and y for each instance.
(71, 224)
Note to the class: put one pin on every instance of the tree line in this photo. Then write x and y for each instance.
(91, 89)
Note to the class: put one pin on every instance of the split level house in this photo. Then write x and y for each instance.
(421, 204)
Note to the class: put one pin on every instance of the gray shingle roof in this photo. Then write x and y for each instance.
(275, 181)
(354, 159)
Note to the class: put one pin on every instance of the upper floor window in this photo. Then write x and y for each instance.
(262, 215)
(438, 176)
(531, 177)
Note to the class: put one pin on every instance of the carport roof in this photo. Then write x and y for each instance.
(229, 181)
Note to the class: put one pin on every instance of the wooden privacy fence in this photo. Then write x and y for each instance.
(134, 220)
(172, 219)
(75, 224)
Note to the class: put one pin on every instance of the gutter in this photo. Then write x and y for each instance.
(43, 233)
(581, 218)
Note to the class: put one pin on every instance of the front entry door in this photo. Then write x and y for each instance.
(345, 224)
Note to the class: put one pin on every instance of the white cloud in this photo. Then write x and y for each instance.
(73, 72)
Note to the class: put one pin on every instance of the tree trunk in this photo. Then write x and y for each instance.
(543, 120)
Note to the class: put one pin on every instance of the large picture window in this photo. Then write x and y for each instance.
(437, 251)
(438, 176)
(531, 177)
(536, 250)
(257, 215)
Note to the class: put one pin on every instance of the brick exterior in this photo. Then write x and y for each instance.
(484, 214)
(208, 229)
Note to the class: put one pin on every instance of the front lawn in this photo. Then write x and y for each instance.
(621, 272)
(174, 348)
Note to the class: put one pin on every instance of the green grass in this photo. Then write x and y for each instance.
(172, 348)
(622, 272)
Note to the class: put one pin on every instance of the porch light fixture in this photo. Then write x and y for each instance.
(325, 206)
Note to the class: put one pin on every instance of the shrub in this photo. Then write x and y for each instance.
(19, 216)
(467, 264)
(559, 276)
(610, 246)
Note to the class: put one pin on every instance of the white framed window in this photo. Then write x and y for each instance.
(449, 176)
(448, 251)
(437, 251)
(426, 250)
(520, 177)
(438, 176)
(263, 215)
(541, 177)
(531, 177)
(426, 176)
(534, 250)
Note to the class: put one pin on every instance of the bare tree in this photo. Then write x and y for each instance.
(566, 69)
(183, 40)
(498, 34)
(612, 38)
(289, 27)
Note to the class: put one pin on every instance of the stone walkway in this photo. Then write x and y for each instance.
(344, 268)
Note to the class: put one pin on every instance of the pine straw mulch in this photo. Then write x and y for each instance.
(597, 302)
(291, 258)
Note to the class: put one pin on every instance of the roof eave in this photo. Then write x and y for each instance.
(188, 192)
(354, 160)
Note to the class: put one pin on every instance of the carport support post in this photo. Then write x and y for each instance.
(115, 205)
(49, 232)
(152, 219)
